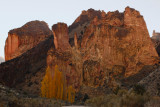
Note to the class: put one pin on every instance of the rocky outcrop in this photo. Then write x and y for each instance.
(156, 41)
(113, 45)
(156, 35)
(61, 56)
(119, 39)
(103, 49)
(26, 71)
(80, 24)
(22, 39)
(61, 38)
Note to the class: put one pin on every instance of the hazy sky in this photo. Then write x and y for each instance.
(15, 13)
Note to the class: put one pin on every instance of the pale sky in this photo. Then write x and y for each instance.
(15, 13)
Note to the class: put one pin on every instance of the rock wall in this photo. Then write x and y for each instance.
(112, 46)
(61, 38)
(119, 39)
(26, 71)
(22, 39)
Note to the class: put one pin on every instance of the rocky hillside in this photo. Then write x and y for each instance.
(12, 98)
(26, 71)
(92, 55)
(151, 82)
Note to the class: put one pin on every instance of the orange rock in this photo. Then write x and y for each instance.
(11, 46)
(122, 39)
(61, 38)
(22, 39)
(75, 40)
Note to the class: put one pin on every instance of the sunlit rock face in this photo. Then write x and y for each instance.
(62, 56)
(112, 44)
(119, 39)
(61, 38)
(94, 50)
(24, 38)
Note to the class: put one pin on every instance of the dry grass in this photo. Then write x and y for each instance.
(154, 102)
(124, 98)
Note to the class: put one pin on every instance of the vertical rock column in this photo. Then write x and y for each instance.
(61, 38)
(11, 46)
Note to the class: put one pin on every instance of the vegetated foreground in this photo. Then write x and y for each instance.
(102, 59)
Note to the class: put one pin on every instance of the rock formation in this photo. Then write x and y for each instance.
(113, 45)
(61, 38)
(156, 41)
(22, 39)
(26, 71)
(80, 24)
(156, 35)
(119, 39)
(103, 48)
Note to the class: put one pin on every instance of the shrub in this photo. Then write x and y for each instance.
(115, 91)
(122, 99)
(139, 89)
(154, 102)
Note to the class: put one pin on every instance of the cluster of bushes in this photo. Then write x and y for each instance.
(136, 97)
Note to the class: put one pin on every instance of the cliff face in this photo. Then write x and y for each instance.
(80, 24)
(26, 71)
(119, 39)
(61, 38)
(103, 48)
(22, 39)
(113, 44)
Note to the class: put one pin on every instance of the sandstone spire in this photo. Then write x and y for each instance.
(61, 38)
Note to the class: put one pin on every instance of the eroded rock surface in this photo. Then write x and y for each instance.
(127, 43)
(61, 38)
(94, 52)
(26, 71)
(24, 38)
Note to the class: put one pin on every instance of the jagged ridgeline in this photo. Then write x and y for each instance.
(97, 53)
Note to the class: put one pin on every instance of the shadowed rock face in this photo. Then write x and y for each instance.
(26, 71)
(156, 41)
(22, 39)
(80, 24)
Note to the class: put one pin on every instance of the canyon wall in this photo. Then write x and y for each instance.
(24, 38)
(94, 52)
